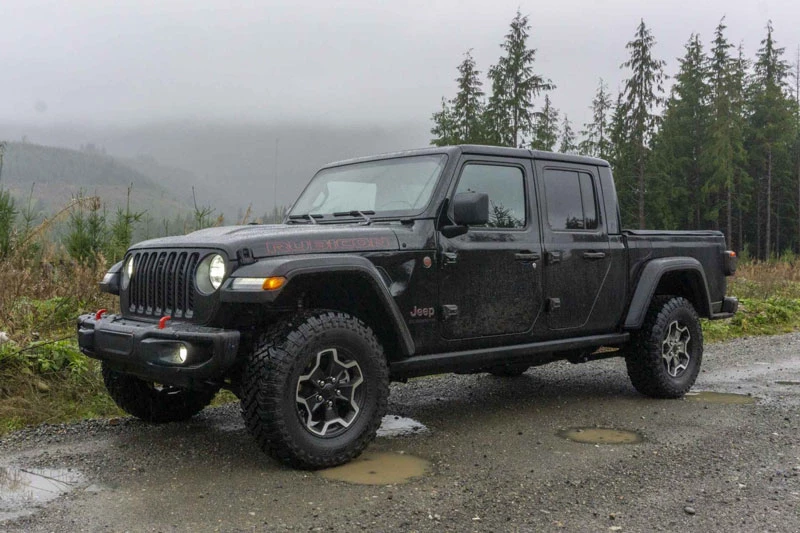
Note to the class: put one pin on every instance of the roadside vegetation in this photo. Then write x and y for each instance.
(769, 300)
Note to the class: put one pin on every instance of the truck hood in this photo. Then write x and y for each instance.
(284, 239)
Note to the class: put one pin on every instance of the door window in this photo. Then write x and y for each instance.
(571, 200)
(505, 186)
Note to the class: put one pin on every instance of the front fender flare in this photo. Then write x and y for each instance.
(649, 279)
(294, 267)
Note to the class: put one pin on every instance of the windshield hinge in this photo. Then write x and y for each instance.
(245, 256)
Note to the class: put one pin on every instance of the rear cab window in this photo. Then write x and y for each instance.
(571, 200)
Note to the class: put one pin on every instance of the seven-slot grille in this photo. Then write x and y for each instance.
(163, 283)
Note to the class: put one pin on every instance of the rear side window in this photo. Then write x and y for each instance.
(571, 200)
(505, 186)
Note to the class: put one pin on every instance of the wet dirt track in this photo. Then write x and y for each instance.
(493, 458)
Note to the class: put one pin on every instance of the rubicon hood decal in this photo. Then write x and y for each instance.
(285, 239)
(300, 246)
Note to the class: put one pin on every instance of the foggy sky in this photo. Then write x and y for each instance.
(353, 62)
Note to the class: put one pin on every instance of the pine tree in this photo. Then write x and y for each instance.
(461, 119)
(567, 145)
(444, 126)
(509, 114)
(769, 125)
(744, 181)
(725, 156)
(677, 159)
(120, 233)
(595, 133)
(545, 130)
(642, 96)
(467, 106)
(797, 142)
(87, 232)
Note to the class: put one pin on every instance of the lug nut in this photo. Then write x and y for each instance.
(319, 397)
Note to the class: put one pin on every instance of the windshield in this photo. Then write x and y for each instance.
(401, 185)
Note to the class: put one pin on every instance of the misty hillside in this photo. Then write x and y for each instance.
(231, 165)
(58, 174)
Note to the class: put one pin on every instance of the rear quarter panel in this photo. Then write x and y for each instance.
(705, 246)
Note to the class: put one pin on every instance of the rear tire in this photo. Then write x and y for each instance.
(152, 403)
(315, 389)
(664, 357)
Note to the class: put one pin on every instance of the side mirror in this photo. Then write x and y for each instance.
(471, 209)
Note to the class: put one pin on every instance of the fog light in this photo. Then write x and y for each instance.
(183, 353)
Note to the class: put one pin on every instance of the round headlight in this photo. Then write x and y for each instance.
(216, 271)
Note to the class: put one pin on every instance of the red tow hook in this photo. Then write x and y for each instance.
(99, 314)
(163, 322)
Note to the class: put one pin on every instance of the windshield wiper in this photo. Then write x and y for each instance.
(355, 213)
(306, 216)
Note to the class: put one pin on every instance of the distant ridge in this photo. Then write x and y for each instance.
(60, 174)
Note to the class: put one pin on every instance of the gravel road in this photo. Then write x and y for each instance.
(494, 456)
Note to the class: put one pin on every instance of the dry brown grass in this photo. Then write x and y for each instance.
(38, 298)
(761, 280)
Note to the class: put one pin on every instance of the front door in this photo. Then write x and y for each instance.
(577, 258)
(490, 281)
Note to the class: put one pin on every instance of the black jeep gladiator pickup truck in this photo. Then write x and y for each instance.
(456, 259)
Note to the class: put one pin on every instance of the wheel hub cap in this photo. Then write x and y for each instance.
(328, 393)
(675, 349)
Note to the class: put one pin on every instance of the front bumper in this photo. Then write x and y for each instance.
(140, 348)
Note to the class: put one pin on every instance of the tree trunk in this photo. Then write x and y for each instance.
(740, 243)
(769, 201)
(759, 187)
(778, 230)
(641, 189)
(729, 215)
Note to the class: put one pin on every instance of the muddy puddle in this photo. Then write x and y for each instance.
(601, 436)
(400, 426)
(378, 468)
(22, 491)
(726, 398)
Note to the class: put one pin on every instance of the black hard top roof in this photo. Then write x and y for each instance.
(477, 149)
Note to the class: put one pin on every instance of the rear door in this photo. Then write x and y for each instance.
(490, 283)
(577, 258)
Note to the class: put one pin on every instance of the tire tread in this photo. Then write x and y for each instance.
(271, 361)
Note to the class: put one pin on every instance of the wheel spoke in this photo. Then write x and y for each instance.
(330, 382)
(675, 348)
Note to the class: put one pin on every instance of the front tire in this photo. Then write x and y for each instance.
(154, 403)
(315, 389)
(664, 358)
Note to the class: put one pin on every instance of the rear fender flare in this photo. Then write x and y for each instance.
(651, 276)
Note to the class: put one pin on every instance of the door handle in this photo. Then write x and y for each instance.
(527, 256)
(450, 258)
(593, 256)
(553, 257)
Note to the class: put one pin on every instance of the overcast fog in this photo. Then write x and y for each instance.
(75, 70)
